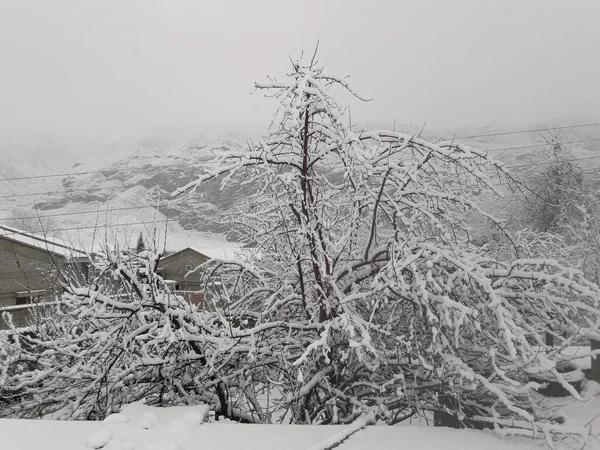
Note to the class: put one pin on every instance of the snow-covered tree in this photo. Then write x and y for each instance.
(553, 193)
(559, 197)
(364, 291)
(31, 221)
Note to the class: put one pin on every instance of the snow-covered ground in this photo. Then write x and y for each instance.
(143, 427)
(181, 428)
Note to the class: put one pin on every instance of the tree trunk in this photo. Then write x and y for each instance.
(549, 339)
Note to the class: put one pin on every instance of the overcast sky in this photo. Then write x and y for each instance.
(104, 69)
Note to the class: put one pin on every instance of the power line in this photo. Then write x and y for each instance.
(150, 222)
(522, 180)
(240, 196)
(505, 133)
(53, 192)
(540, 145)
(167, 166)
(77, 213)
(244, 196)
(88, 172)
(65, 192)
(25, 277)
(108, 210)
(552, 162)
(177, 165)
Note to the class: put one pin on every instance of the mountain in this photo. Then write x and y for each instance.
(128, 184)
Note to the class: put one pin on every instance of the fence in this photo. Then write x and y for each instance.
(20, 314)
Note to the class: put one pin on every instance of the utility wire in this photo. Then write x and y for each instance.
(150, 222)
(87, 172)
(166, 205)
(57, 192)
(540, 145)
(109, 210)
(113, 190)
(196, 202)
(78, 213)
(123, 189)
(45, 232)
(171, 166)
(552, 162)
(506, 133)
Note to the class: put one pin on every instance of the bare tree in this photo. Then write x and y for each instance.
(33, 222)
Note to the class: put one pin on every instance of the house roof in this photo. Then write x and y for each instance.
(45, 243)
(223, 253)
(228, 253)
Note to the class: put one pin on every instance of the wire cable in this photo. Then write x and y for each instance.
(166, 166)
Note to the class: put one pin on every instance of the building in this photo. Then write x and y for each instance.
(179, 269)
(31, 267)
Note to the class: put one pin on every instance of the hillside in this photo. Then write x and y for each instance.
(127, 185)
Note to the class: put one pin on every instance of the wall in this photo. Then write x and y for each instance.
(177, 266)
(26, 269)
(23, 268)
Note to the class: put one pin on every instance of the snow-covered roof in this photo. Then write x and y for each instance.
(45, 243)
(226, 253)
(222, 253)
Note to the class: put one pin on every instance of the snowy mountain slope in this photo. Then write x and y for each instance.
(130, 182)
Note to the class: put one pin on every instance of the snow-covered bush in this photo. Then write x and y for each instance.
(123, 337)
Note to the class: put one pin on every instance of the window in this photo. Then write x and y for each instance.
(28, 297)
(188, 267)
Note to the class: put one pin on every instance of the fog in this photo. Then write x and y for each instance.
(98, 71)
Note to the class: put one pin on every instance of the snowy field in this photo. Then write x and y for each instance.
(181, 428)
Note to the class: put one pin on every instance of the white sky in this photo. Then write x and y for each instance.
(104, 69)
